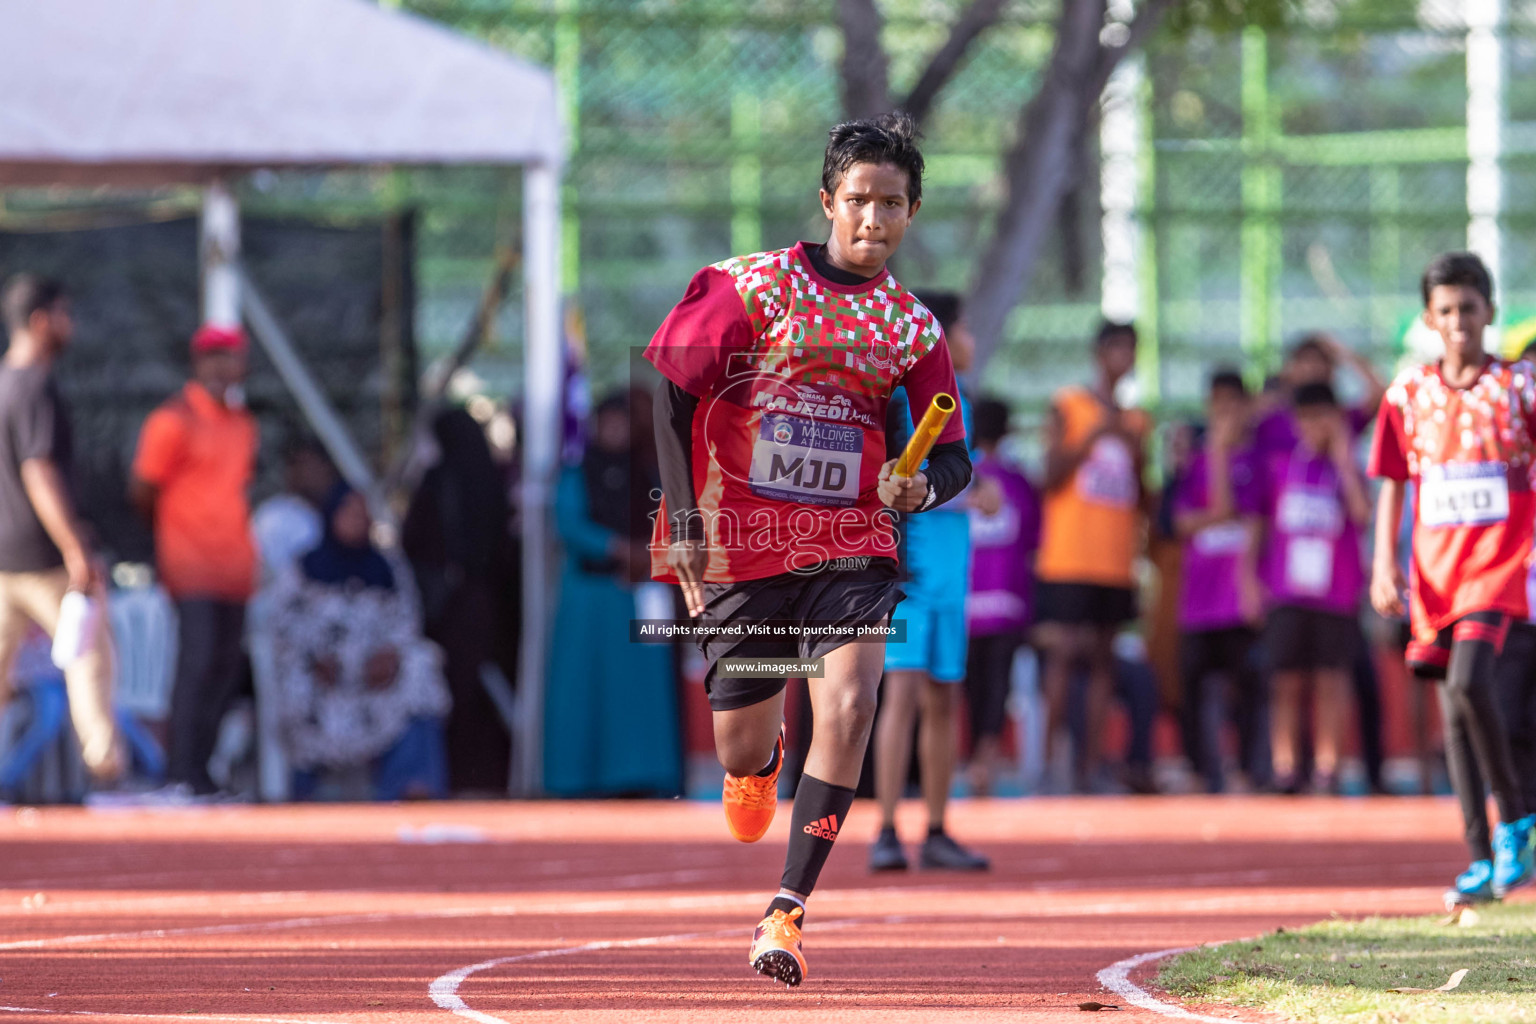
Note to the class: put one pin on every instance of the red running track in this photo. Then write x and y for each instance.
(377, 913)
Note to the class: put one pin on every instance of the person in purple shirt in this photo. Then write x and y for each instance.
(999, 607)
(1314, 359)
(1314, 503)
(1216, 508)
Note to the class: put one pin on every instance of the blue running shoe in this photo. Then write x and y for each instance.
(1474, 885)
(1512, 856)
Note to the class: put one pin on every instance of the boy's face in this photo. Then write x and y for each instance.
(1226, 405)
(1308, 366)
(351, 522)
(1117, 355)
(1317, 424)
(53, 327)
(1460, 315)
(869, 214)
(219, 369)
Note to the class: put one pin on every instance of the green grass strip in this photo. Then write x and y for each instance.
(1342, 971)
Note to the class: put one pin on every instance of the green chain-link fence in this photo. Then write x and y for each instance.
(1298, 180)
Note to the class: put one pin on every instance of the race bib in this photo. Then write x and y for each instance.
(1108, 476)
(1229, 538)
(994, 531)
(809, 461)
(1314, 512)
(1464, 494)
(1309, 566)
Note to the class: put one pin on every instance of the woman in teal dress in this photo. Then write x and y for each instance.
(611, 720)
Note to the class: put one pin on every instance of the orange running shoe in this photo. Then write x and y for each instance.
(776, 948)
(751, 801)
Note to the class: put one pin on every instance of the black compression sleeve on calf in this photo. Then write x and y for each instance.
(948, 471)
(1471, 689)
(1466, 779)
(820, 809)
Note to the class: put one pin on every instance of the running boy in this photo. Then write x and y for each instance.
(770, 431)
(1460, 430)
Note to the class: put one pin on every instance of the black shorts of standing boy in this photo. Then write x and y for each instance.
(989, 679)
(1228, 655)
(1298, 639)
(1464, 661)
(1083, 604)
(837, 597)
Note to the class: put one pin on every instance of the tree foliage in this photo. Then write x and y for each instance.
(1045, 164)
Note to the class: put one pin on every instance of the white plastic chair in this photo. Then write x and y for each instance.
(274, 779)
(146, 638)
(145, 632)
(1027, 705)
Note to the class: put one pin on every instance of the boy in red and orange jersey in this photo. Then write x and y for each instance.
(770, 432)
(1461, 431)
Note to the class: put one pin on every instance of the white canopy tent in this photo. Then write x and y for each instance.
(108, 92)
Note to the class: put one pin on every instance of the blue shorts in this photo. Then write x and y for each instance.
(935, 639)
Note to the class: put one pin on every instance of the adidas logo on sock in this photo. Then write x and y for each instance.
(826, 828)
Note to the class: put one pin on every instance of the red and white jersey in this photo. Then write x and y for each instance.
(794, 372)
(1469, 453)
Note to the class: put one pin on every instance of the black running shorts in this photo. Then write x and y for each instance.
(988, 680)
(841, 596)
(1083, 604)
(1306, 639)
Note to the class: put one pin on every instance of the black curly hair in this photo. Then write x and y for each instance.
(884, 139)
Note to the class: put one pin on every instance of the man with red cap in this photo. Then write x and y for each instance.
(190, 475)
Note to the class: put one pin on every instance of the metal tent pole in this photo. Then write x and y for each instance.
(1487, 70)
(1130, 263)
(219, 253)
(542, 382)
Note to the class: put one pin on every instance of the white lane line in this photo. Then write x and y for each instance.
(445, 989)
(159, 1016)
(209, 929)
(1117, 978)
(62, 906)
(445, 913)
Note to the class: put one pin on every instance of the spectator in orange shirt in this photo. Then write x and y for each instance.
(1090, 535)
(194, 463)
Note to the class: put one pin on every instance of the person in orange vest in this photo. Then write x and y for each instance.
(1091, 532)
(194, 463)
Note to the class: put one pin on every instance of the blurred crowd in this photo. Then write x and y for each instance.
(375, 671)
(1057, 619)
(1076, 628)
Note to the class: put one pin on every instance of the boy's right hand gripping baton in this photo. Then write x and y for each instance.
(927, 433)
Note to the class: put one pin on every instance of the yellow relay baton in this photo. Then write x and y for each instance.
(928, 431)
